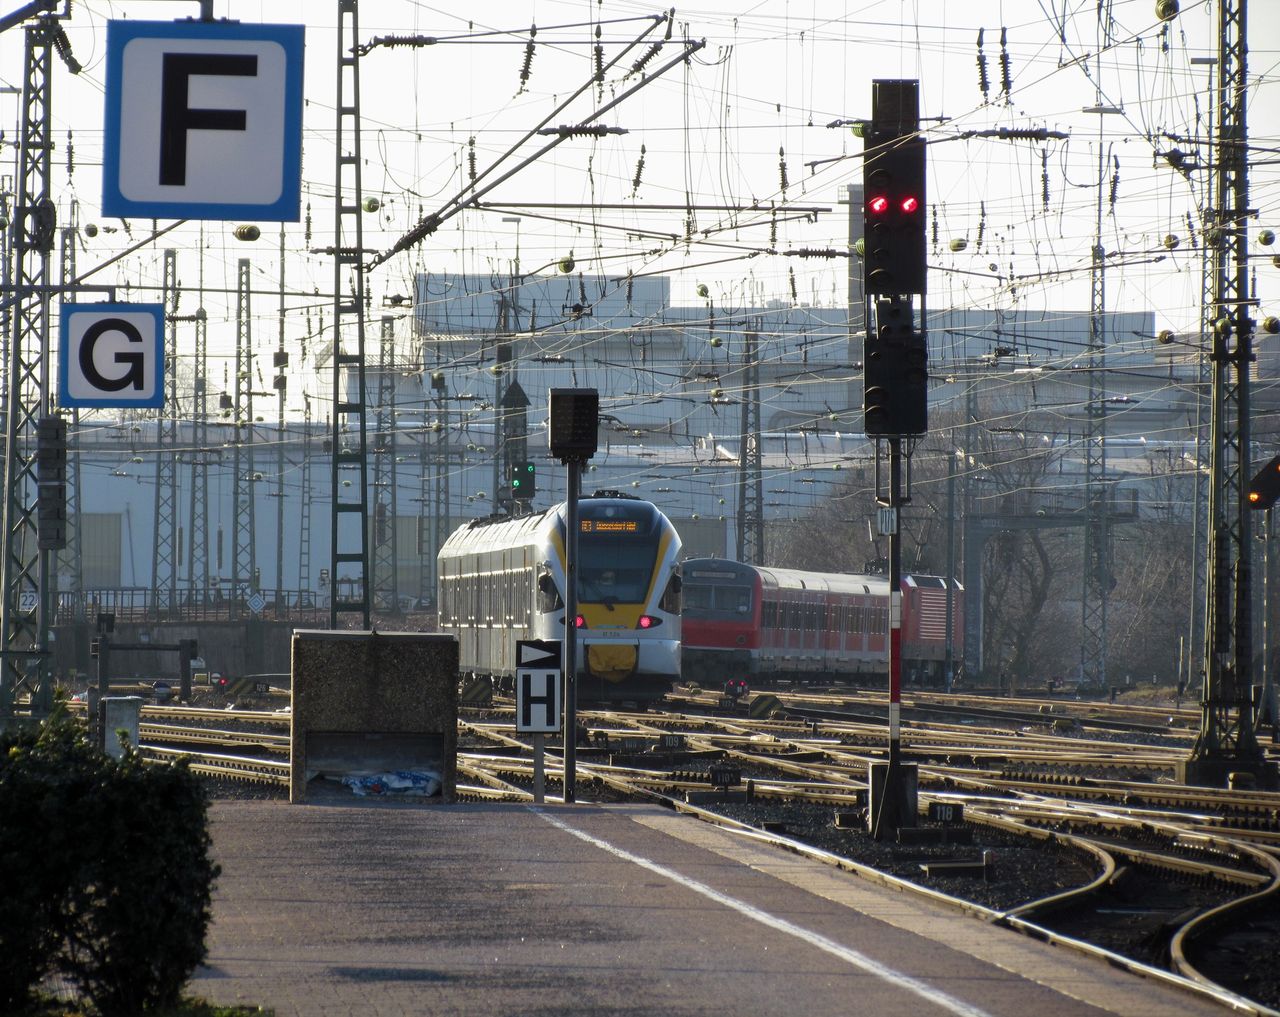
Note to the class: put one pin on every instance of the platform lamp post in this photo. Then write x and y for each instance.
(573, 437)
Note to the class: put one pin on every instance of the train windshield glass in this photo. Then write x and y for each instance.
(615, 568)
(705, 600)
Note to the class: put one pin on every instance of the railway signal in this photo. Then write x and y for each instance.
(895, 389)
(51, 477)
(893, 181)
(1264, 488)
(524, 481)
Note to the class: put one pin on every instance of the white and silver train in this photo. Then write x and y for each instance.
(503, 579)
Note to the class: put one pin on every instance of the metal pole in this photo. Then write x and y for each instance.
(571, 629)
(948, 667)
(887, 813)
(895, 610)
(539, 775)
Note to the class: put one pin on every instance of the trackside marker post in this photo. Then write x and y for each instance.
(538, 674)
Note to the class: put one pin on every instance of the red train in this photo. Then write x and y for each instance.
(747, 622)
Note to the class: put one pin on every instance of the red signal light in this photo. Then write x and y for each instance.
(648, 621)
(580, 622)
(878, 205)
(910, 204)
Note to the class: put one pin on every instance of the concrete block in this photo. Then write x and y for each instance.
(367, 702)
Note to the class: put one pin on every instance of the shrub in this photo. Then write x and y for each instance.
(139, 918)
(104, 870)
(46, 774)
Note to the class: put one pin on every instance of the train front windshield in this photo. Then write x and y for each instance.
(703, 600)
(616, 559)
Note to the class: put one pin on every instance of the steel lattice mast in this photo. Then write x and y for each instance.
(198, 518)
(349, 469)
(70, 560)
(750, 482)
(1097, 539)
(386, 594)
(243, 552)
(164, 561)
(1226, 741)
(25, 607)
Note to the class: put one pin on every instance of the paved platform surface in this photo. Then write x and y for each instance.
(378, 908)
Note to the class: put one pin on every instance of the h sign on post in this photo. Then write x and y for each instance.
(203, 120)
(537, 686)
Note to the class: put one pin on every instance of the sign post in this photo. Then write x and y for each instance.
(538, 667)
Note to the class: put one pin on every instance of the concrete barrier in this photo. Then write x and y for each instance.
(370, 702)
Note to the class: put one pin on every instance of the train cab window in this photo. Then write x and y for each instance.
(719, 602)
(548, 594)
(698, 598)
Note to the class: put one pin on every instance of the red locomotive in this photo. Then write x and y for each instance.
(748, 622)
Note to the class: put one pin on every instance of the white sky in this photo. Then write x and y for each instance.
(773, 74)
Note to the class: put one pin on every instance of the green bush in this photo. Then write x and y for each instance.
(118, 879)
(46, 776)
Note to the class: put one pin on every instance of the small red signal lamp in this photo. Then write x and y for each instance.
(910, 204)
(878, 205)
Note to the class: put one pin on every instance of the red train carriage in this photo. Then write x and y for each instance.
(744, 622)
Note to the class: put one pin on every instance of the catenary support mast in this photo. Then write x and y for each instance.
(349, 574)
(1226, 742)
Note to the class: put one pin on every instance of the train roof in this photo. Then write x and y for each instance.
(497, 531)
(799, 579)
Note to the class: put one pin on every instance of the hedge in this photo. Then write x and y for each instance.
(105, 874)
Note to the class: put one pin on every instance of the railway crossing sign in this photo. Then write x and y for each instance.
(111, 355)
(537, 686)
(203, 120)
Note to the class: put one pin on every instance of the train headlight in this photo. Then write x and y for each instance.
(648, 621)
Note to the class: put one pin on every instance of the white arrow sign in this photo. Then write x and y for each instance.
(538, 651)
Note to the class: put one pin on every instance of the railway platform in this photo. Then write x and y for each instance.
(356, 906)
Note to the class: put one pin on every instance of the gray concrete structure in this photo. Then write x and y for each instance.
(370, 702)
